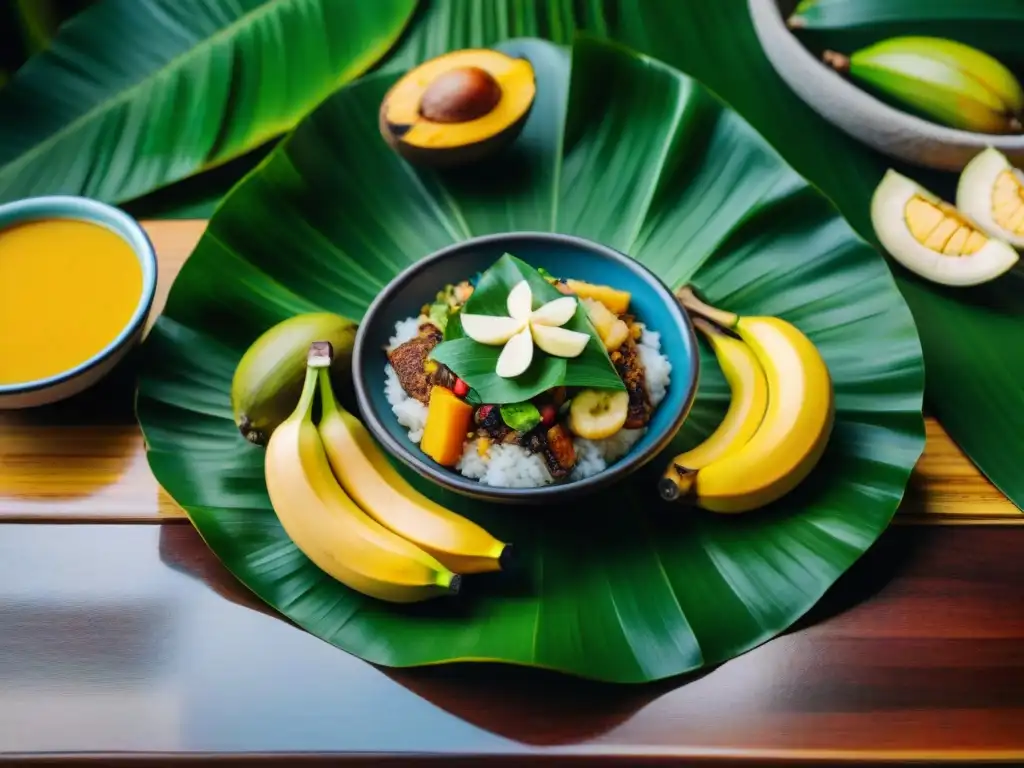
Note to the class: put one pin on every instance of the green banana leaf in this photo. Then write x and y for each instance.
(134, 94)
(994, 26)
(623, 588)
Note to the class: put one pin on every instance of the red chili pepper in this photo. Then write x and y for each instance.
(548, 414)
(461, 388)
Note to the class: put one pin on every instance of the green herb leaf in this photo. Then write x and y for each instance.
(453, 328)
(475, 363)
(522, 417)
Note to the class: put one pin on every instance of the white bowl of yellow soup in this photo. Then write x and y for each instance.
(77, 280)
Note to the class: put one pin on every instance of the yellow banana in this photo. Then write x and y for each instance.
(329, 528)
(367, 475)
(749, 389)
(796, 425)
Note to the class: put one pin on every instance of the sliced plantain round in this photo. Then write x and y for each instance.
(595, 414)
(932, 238)
(991, 192)
(458, 108)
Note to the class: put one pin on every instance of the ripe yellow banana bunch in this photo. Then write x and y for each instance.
(354, 516)
(779, 419)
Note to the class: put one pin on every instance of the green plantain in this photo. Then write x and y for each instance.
(945, 81)
(268, 380)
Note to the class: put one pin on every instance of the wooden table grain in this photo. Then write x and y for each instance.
(57, 463)
(124, 641)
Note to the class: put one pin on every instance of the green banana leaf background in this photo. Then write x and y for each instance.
(131, 96)
(622, 588)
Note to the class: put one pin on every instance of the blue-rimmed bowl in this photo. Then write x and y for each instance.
(571, 257)
(67, 383)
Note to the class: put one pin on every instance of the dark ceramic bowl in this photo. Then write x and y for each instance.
(652, 303)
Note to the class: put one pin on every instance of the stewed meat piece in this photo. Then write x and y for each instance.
(410, 362)
(631, 370)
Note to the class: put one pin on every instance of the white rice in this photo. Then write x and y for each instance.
(512, 466)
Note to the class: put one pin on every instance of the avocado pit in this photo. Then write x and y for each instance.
(460, 95)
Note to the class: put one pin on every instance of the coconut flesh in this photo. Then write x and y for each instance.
(932, 238)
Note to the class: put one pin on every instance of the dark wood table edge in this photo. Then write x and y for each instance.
(626, 757)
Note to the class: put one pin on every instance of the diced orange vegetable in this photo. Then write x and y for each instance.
(617, 301)
(448, 422)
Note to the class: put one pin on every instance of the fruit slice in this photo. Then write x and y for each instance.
(517, 355)
(448, 420)
(617, 301)
(490, 329)
(918, 228)
(458, 107)
(560, 342)
(958, 242)
(520, 301)
(611, 329)
(596, 414)
(991, 191)
(557, 312)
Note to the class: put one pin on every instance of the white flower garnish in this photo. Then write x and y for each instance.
(523, 328)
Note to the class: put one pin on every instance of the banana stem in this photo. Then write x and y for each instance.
(320, 354)
(304, 410)
(692, 304)
(328, 403)
(837, 61)
(708, 328)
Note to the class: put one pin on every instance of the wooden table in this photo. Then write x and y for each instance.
(122, 638)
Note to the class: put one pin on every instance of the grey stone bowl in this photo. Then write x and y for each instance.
(889, 130)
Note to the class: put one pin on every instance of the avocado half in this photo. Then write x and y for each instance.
(459, 107)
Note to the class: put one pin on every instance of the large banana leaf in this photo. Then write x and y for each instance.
(622, 588)
(134, 94)
(995, 26)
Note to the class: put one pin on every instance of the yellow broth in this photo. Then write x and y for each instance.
(67, 289)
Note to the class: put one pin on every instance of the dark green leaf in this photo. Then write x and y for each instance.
(617, 588)
(134, 94)
(475, 363)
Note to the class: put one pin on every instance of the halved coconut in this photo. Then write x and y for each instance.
(932, 238)
(991, 191)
